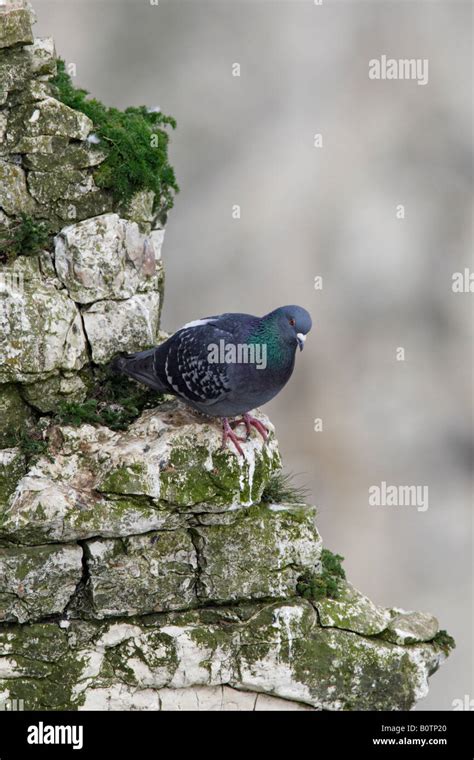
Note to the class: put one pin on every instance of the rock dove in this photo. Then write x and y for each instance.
(225, 365)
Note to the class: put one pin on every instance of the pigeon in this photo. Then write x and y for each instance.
(225, 365)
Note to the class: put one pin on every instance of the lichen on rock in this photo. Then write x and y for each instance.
(102, 270)
(37, 581)
(41, 332)
(279, 651)
(255, 553)
(190, 587)
(105, 257)
(154, 572)
(15, 27)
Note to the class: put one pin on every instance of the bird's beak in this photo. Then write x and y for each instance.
(301, 339)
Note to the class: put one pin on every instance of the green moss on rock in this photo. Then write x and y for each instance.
(113, 401)
(134, 141)
(25, 236)
(15, 415)
(39, 667)
(326, 582)
(444, 641)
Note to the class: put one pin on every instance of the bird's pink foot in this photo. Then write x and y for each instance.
(251, 422)
(228, 434)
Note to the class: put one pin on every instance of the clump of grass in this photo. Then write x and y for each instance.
(32, 445)
(115, 402)
(280, 489)
(24, 237)
(77, 413)
(325, 584)
(444, 640)
(134, 141)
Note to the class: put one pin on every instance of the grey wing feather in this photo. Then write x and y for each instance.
(188, 369)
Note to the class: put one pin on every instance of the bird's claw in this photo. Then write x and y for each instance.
(228, 434)
(250, 422)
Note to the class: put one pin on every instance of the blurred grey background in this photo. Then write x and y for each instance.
(327, 211)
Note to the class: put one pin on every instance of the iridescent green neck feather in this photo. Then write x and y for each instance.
(268, 334)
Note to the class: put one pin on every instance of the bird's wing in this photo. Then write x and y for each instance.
(184, 362)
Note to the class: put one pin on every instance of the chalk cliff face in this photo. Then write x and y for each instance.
(97, 288)
(141, 566)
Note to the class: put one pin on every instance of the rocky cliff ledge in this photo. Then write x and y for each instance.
(141, 566)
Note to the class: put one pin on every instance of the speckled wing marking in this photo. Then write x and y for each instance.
(187, 367)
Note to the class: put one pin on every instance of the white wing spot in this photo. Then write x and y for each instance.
(168, 376)
(196, 323)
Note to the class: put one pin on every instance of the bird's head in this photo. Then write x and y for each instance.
(294, 323)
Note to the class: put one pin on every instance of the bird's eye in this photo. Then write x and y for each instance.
(292, 322)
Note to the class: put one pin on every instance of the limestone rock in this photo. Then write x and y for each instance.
(352, 611)
(278, 650)
(42, 56)
(168, 532)
(184, 463)
(105, 257)
(15, 25)
(12, 469)
(47, 117)
(105, 483)
(285, 653)
(3, 125)
(176, 569)
(92, 203)
(157, 237)
(130, 325)
(411, 627)
(141, 574)
(32, 92)
(37, 581)
(48, 145)
(194, 698)
(14, 196)
(140, 208)
(256, 553)
(68, 184)
(47, 154)
(27, 273)
(45, 509)
(47, 395)
(40, 333)
(20, 68)
(46, 172)
(15, 71)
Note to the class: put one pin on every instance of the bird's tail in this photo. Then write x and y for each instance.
(139, 366)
